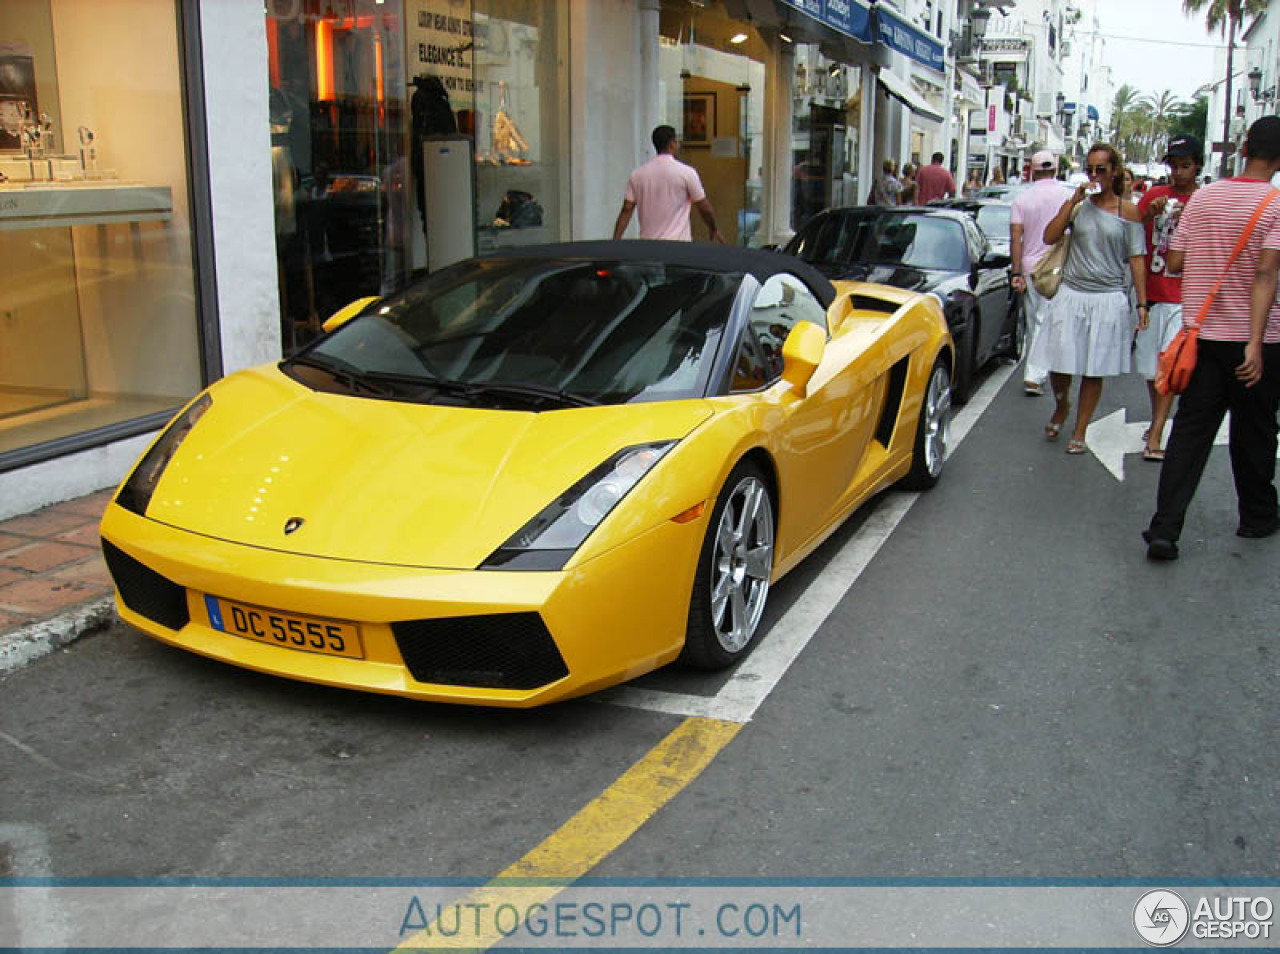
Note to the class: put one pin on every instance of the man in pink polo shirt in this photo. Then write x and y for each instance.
(663, 190)
(1031, 212)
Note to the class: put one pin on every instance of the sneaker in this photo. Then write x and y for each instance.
(1158, 548)
(1259, 531)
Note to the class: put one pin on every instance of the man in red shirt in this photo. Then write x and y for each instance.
(934, 182)
(1161, 209)
(1238, 363)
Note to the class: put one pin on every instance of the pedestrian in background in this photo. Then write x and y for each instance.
(934, 181)
(1130, 182)
(1031, 211)
(909, 186)
(1238, 359)
(1161, 207)
(1087, 327)
(973, 184)
(663, 190)
(885, 189)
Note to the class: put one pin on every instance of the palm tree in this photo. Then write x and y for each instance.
(1162, 109)
(1126, 99)
(1225, 15)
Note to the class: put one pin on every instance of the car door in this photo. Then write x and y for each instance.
(821, 437)
(990, 287)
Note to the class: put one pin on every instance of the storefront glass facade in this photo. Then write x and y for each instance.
(825, 119)
(711, 75)
(408, 135)
(99, 323)
(339, 120)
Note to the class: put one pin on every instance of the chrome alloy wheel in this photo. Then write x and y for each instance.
(742, 563)
(937, 420)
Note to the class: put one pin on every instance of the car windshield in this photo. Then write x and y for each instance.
(532, 334)
(994, 221)
(917, 240)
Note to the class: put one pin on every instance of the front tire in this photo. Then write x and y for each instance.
(933, 431)
(1018, 333)
(731, 585)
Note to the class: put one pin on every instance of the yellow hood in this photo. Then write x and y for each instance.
(382, 481)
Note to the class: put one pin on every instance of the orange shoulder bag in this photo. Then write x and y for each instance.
(1178, 361)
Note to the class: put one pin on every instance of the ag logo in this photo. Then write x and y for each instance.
(292, 524)
(1161, 918)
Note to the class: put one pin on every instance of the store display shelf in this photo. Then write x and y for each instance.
(39, 205)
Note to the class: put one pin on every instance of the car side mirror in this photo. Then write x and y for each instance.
(801, 354)
(995, 260)
(346, 313)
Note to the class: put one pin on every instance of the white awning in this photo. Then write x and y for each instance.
(901, 90)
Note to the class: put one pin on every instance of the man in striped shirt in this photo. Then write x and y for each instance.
(1238, 365)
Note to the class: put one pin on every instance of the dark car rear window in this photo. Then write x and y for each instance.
(914, 239)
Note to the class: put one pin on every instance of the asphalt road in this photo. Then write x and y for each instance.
(1009, 689)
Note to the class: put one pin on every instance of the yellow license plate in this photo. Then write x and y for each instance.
(305, 633)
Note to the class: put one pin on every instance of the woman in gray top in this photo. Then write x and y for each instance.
(1088, 328)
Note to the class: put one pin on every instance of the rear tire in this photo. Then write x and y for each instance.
(731, 584)
(933, 432)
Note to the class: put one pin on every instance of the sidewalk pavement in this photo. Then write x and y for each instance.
(54, 585)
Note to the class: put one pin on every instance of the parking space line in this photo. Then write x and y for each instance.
(594, 832)
(740, 697)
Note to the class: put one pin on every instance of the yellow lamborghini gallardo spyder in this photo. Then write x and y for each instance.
(532, 475)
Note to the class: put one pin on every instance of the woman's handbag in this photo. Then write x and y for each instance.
(1178, 361)
(1046, 276)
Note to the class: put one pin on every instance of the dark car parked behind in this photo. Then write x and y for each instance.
(992, 216)
(936, 250)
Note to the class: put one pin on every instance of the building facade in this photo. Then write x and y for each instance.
(259, 165)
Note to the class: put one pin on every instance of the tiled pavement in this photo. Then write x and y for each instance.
(54, 585)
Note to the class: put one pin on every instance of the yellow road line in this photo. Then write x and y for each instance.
(595, 831)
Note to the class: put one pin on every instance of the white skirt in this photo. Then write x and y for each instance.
(1087, 333)
(1163, 325)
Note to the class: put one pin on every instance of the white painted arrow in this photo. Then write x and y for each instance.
(1112, 437)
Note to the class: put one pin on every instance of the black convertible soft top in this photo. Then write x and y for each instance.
(701, 255)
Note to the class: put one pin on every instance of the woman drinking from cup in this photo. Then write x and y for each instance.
(1087, 327)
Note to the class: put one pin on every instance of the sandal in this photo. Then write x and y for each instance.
(1153, 454)
(1054, 428)
(1077, 447)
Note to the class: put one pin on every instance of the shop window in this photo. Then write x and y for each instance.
(826, 115)
(521, 123)
(340, 124)
(711, 90)
(98, 317)
(407, 136)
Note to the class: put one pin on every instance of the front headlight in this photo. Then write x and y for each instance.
(548, 540)
(137, 490)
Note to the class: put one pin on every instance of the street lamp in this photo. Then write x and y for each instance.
(1255, 87)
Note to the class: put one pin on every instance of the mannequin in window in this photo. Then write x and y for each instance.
(432, 116)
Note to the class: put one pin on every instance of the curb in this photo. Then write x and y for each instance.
(21, 646)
